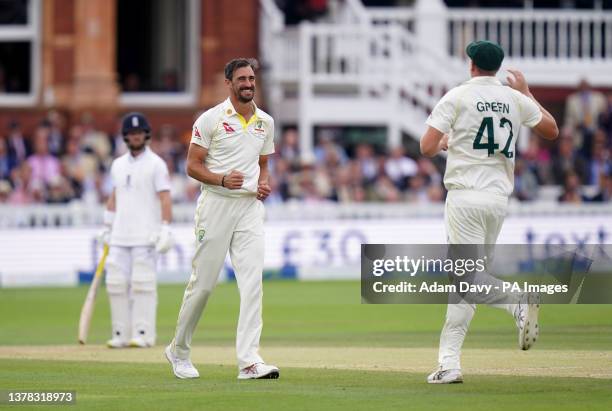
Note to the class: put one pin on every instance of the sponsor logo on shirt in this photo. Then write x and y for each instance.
(259, 127)
(228, 128)
(201, 235)
(196, 133)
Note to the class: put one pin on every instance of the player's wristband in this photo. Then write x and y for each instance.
(223, 181)
(108, 217)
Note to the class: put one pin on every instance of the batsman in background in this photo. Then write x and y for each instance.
(228, 154)
(136, 220)
(478, 123)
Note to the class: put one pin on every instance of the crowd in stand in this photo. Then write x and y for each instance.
(581, 156)
(60, 163)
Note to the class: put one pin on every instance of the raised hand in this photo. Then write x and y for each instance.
(517, 81)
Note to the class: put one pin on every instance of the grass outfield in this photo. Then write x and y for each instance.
(334, 353)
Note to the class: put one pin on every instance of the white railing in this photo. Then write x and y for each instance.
(544, 35)
(405, 59)
(401, 16)
(279, 49)
(524, 33)
(76, 215)
(378, 64)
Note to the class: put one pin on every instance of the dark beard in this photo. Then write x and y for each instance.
(136, 148)
(245, 99)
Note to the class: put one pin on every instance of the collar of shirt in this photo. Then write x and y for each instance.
(140, 156)
(484, 80)
(229, 111)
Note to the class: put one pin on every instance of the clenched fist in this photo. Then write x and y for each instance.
(233, 180)
(263, 190)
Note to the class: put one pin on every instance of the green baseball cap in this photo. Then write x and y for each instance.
(486, 54)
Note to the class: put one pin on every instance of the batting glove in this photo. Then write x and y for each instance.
(164, 240)
(105, 234)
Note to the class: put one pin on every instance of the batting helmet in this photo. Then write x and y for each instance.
(135, 121)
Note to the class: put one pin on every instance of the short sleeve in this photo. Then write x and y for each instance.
(268, 147)
(531, 114)
(202, 130)
(442, 116)
(161, 176)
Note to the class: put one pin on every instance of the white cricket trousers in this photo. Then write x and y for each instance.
(131, 285)
(225, 223)
(471, 217)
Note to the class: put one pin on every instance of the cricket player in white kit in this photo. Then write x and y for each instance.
(228, 154)
(136, 219)
(478, 123)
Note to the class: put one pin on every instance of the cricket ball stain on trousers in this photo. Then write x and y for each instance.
(225, 223)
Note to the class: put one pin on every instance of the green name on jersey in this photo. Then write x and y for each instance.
(495, 106)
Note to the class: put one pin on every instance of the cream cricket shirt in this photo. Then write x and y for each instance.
(482, 118)
(137, 182)
(234, 144)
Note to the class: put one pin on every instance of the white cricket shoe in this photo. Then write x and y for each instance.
(259, 371)
(182, 368)
(139, 342)
(116, 343)
(526, 317)
(441, 376)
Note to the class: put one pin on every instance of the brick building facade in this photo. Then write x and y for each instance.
(78, 44)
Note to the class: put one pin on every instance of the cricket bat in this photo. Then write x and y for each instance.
(90, 300)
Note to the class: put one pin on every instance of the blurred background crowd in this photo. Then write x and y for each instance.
(61, 162)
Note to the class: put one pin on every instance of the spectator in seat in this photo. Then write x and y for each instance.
(566, 160)
(600, 161)
(94, 139)
(45, 167)
(525, 183)
(571, 190)
(60, 191)
(429, 171)
(605, 188)
(290, 149)
(17, 146)
(56, 123)
(582, 112)
(605, 120)
(418, 190)
(538, 160)
(385, 190)
(6, 161)
(328, 152)
(400, 167)
(367, 163)
(26, 190)
(5, 191)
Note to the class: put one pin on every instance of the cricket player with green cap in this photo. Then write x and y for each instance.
(478, 123)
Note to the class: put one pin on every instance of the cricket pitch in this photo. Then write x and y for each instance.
(557, 363)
